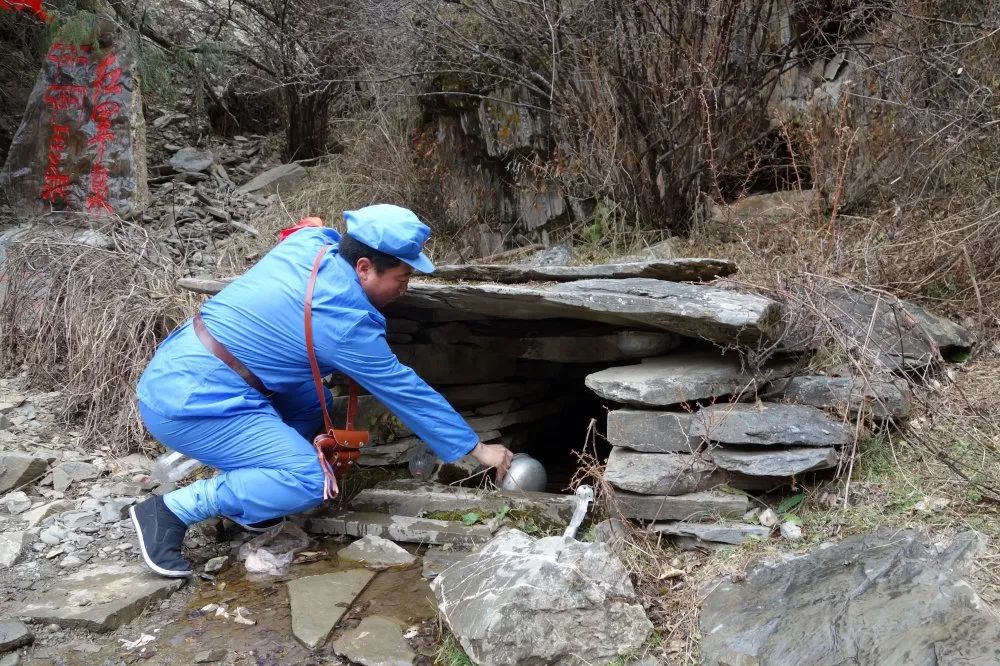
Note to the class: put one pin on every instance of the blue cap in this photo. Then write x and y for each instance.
(393, 230)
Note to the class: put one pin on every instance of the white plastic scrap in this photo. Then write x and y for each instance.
(584, 496)
(144, 639)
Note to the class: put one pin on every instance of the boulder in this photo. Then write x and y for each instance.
(895, 334)
(17, 469)
(693, 310)
(376, 553)
(191, 160)
(671, 380)
(675, 270)
(279, 179)
(553, 600)
(12, 547)
(14, 634)
(66, 473)
(661, 473)
(883, 598)
(652, 432)
(884, 400)
(81, 144)
(769, 424)
(775, 462)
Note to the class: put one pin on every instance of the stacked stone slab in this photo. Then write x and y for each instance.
(671, 457)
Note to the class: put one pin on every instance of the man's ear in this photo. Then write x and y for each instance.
(364, 267)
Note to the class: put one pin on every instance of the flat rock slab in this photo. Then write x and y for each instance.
(851, 395)
(677, 270)
(397, 528)
(688, 309)
(376, 553)
(408, 497)
(17, 469)
(731, 533)
(671, 380)
(661, 473)
(695, 506)
(896, 334)
(652, 432)
(775, 462)
(14, 634)
(882, 598)
(769, 424)
(101, 598)
(376, 641)
(474, 395)
(318, 602)
(64, 474)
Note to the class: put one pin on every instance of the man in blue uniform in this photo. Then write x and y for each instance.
(233, 388)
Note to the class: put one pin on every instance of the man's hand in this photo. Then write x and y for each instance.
(493, 455)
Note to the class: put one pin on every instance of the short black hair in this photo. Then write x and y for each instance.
(352, 249)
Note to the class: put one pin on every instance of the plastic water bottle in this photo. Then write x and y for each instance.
(173, 466)
(422, 462)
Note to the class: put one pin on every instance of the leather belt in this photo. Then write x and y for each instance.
(221, 353)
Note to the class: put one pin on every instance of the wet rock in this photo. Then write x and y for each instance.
(14, 634)
(216, 564)
(695, 506)
(671, 380)
(883, 400)
(12, 546)
(376, 641)
(653, 432)
(66, 473)
(279, 179)
(777, 462)
(408, 529)
(769, 424)
(17, 469)
(210, 656)
(661, 473)
(191, 160)
(436, 560)
(551, 600)
(318, 602)
(676, 270)
(99, 598)
(732, 533)
(376, 553)
(688, 309)
(883, 598)
(16, 502)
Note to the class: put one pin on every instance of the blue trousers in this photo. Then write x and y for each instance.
(266, 461)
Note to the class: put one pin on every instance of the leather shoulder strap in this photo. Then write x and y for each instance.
(352, 401)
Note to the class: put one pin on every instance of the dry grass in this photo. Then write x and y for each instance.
(85, 320)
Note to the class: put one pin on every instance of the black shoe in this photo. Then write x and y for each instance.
(161, 534)
(262, 526)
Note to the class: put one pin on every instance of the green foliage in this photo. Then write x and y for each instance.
(451, 654)
(790, 503)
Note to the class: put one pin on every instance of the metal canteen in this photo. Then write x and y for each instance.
(525, 473)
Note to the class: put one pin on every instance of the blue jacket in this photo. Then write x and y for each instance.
(259, 319)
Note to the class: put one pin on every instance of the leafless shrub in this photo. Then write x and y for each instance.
(85, 320)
